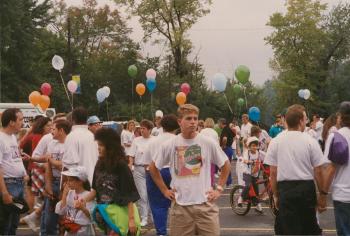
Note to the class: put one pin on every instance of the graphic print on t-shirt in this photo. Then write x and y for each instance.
(15, 153)
(188, 160)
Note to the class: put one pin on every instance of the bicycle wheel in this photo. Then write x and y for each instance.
(272, 205)
(241, 209)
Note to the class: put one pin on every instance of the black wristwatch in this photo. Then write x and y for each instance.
(323, 192)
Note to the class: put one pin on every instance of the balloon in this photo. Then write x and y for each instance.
(151, 74)
(151, 85)
(240, 101)
(185, 88)
(34, 98)
(301, 93)
(132, 71)
(219, 82)
(57, 62)
(307, 94)
(159, 113)
(254, 114)
(44, 102)
(140, 89)
(107, 91)
(180, 98)
(236, 88)
(100, 95)
(46, 89)
(242, 74)
(72, 86)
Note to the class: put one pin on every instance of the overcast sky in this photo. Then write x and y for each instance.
(231, 34)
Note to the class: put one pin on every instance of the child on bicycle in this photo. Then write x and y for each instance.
(252, 160)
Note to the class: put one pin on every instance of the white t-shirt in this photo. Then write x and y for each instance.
(210, 133)
(81, 149)
(41, 148)
(157, 131)
(190, 165)
(341, 183)
(154, 146)
(10, 157)
(245, 130)
(236, 138)
(56, 149)
(311, 132)
(138, 149)
(295, 154)
(126, 138)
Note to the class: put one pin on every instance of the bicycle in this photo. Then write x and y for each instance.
(243, 208)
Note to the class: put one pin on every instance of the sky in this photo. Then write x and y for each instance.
(231, 34)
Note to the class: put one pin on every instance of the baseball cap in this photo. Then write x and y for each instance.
(93, 120)
(78, 171)
(344, 108)
(252, 140)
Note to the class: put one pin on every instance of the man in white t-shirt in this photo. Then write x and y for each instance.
(193, 211)
(296, 161)
(246, 127)
(80, 145)
(12, 171)
(338, 171)
(127, 136)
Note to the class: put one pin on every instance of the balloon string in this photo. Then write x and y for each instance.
(152, 106)
(132, 98)
(141, 107)
(107, 110)
(65, 89)
(229, 107)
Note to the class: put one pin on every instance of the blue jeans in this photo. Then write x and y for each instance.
(158, 203)
(342, 217)
(8, 219)
(49, 219)
(229, 153)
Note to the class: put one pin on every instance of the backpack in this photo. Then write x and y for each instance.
(339, 150)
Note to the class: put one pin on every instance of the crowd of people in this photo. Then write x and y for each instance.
(70, 175)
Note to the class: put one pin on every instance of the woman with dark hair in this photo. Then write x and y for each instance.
(114, 187)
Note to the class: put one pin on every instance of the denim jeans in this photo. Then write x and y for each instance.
(158, 203)
(49, 219)
(9, 220)
(342, 217)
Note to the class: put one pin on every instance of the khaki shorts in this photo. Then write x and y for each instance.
(201, 219)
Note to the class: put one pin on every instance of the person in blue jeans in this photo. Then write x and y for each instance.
(226, 140)
(158, 203)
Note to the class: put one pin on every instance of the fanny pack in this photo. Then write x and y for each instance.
(69, 225)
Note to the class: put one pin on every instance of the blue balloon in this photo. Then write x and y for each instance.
(151, 84)
(254, 114)
(100, 95)
(301, 93)
(219, 82)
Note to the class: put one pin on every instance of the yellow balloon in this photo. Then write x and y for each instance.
(44, 102)
(34, 98)
(181, 98)
(140, 89)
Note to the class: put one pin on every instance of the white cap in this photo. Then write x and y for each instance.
(159, 113)
(251, 140)
(78, 171)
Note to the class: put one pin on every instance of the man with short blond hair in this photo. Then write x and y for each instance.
(190, 155)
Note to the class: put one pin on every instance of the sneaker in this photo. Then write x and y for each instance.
(240, 200)
(31, 220)
(259, 208)
(143, 223)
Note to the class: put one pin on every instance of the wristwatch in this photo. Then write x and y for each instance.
(219, 188)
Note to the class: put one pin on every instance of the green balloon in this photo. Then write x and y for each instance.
(240, 101)
(132, 71)
(236, 88)
(242, 74)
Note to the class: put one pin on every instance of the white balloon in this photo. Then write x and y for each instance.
(107, 91)
(159, 113)
(57, 62)
(100, 95)
(307, 94)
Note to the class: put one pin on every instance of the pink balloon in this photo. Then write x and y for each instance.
(151, 74)
(72, 86)
(185, 88)
(46, 89)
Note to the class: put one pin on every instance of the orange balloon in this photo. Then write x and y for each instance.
(181, 98)
(34, 98)
(44, 102)
(140, 89)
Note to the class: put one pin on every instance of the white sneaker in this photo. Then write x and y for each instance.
(259, 208)
(30, 220)
(143, 223)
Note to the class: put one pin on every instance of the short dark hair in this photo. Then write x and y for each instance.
(146, 123)
(294, 115)
(9, 115)
(344, 111)
(63, 124)
(222, 121)
(169, 123)
(39, 124)
(255, 130)
(79, 116)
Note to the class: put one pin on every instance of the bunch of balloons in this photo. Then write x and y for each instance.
(304, 94)
(151, 80)
(41, 99)
(103, 93)
(181, 97)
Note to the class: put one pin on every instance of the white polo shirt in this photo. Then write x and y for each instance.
(295, 154)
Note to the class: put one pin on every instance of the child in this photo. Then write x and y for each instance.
(76, 213)
(252, 159)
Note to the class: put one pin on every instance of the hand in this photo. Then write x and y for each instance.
(132, 226)
(213, 195)
(65, 190)
(322, 203)
(169, 194)
(25, 156)
(7, 198)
